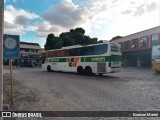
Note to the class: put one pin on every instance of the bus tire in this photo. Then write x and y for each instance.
(49, 68)
(88, 71)
(100, 74)
(80, 70)
(157, 71)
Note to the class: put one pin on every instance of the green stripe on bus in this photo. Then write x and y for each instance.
(101, 59)
(72, 59)
(90, 59)
(70, 64)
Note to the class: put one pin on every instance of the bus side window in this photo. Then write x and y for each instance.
(74, 52)
(93, 50)
(83, 51)
(102, 49)
(86, 51)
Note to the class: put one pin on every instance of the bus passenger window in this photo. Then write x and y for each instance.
(83, 51)
(93, 50)
(102, 49)
(73, 52)
(86, 51)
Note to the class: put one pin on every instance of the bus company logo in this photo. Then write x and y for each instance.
(55, 60)
(98, 59)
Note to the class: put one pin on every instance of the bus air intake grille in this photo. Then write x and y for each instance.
(101, 67)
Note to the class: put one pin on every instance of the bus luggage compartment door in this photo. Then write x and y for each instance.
(101, 67)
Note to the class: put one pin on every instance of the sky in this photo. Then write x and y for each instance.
(33, 20)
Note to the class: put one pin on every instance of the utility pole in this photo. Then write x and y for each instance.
(1, 53)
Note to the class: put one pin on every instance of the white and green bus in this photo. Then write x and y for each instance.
(90, 59)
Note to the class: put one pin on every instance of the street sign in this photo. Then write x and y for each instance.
(11, 47)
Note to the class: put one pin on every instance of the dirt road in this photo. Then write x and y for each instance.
(132, 89)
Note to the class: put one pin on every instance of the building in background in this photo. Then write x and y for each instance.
(29, 54)
(136, 48)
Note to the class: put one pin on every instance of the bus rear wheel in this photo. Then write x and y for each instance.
(157, 71)
(80, 70)
(100, 74)
(88, 71)
(49, 68)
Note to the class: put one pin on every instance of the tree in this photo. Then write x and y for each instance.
(58, 43)
(67, 39)
(94, 40)
(77, 35)
(116, 37)
(100, 41)
(53, 42)
(49, 42)
(73, 37)
(87, 40)
(80, 31)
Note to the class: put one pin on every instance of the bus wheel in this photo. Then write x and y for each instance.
(80, 70)
(88, 71)
(49, 68)
(100, 74)
(157, 71)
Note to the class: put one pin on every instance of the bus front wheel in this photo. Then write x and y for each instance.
(80, 70)
(49, 68)
(88, 71)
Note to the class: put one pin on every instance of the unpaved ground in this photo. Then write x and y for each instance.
(26, 96)
(132, 89)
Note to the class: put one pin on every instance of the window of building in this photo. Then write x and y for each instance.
(26, 50)
(154, 39)
(32, 50)
(121, 43)
(36, 51)
(21, 49)
(143, 42)
(134, 44)
(126, 45)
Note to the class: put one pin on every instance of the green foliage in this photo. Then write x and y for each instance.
(116, 37)
(100, 41)
(94, 40)
(66, 38)
(49, 42)
(73, 37)
(80, 31)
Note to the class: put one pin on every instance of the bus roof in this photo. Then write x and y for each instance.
(74, 46)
